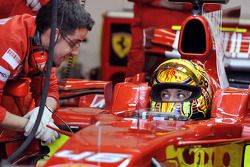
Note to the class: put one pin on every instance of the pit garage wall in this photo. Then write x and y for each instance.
(90, 52)
(244, 4)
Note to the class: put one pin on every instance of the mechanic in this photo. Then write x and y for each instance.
(181, 87)
(17, 7)
(24, 41)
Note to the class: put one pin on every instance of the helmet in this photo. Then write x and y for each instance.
(181, 75)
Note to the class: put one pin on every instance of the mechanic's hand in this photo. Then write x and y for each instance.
(48, 135)
(32, 115)
(35, 5)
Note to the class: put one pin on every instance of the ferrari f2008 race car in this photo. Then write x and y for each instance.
(127, 133)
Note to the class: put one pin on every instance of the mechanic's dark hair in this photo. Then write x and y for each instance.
(71, 15)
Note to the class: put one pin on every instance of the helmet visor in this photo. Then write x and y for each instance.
(174, 92)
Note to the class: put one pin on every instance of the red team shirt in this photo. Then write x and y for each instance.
(15, 37)
(16, 7)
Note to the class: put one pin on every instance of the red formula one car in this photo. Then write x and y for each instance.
(114, 127)
(127, 134)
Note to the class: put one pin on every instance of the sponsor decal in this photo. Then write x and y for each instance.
(107, 157)
(4, 74)
(222, 155)
(92, 157)
(98, 101)
(12, 58)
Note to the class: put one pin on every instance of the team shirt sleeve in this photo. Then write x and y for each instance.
(10, 62)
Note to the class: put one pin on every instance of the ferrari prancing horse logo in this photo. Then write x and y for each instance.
(121, 43)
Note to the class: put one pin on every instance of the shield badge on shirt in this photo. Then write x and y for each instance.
(121, 43)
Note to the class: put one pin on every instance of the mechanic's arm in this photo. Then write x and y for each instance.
(17, 123)
(52, 100)
(14, 122)
(8, 120)
(51, 103)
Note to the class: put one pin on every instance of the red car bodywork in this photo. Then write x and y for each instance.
(114, 138)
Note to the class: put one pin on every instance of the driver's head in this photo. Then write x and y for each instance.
(182, 87)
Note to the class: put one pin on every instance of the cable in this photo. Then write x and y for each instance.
(60, 119)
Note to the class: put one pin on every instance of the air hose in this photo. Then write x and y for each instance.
(28, 140)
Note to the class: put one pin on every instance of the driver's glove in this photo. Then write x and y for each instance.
(35, 5)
